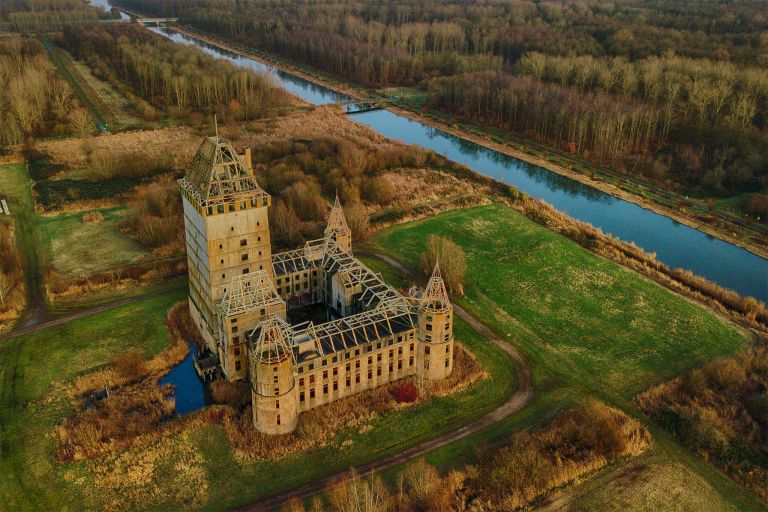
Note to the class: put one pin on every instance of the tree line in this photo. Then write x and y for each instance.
(34, 100)
(172, 77)
(674, 92)
(45, 15)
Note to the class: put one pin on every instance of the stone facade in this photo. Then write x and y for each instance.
(242, 296)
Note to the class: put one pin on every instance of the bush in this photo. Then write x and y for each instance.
(405, 392)
(453, 262)
(129, 364)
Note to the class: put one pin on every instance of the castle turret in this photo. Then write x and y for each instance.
(337, 227)
(434, 356)
(273, 387)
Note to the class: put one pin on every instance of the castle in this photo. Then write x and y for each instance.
(242, 298)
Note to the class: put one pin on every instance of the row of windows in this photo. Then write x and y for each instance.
(357, 351)
(348, 379)
(254, 202)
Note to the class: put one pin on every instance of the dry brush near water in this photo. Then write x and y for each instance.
(135, 412)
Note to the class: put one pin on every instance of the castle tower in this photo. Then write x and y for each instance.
(226, 227)
(273, 389)
(434, 356)
(337, 227)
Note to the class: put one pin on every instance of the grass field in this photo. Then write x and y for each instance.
(590, 328)
(195, 469)
(70, 247)
(17, 186)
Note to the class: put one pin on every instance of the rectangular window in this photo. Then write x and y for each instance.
(357, 364)
(277, 404)
(399, 365)
(301, 396)
(357, 352)
(278, 419)
(311, 379)
(446, 362)
(335, 371)
(301, 369)
(447, 348)
(243, 242)
(411, 347)
(410, 361)
(390, 367)
(349, 367)
(370, 374)
(378, 371)
(378, 357)
(245, 270)
(274, 379)
(244, 257)
(277, 391)
(312, 393)
(370, 360)
(399, 351)
(335, 386)
(357, 379)
(237, 349)
(301, 381)
(325, 374)
(426, 350)
(325, 389)
(237, 366)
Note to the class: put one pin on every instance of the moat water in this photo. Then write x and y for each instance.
(673, 243)
(190, 392)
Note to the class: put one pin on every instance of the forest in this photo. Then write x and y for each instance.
(168, 77)
(34, 100)
(675, 92)
(42, 15)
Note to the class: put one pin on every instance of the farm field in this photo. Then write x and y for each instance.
(590, 328)
(196, 468)
(69, 242)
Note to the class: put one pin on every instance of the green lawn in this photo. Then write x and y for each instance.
(195, 469)
(70, 247)
(589, 327)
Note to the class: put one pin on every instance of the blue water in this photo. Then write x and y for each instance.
(190, 392)
(104, 4)
(673, 243)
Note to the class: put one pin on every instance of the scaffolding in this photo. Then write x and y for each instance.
(435, 296)
(247, 292)
(268, 341)
(217, 176)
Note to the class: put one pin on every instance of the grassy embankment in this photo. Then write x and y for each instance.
(16, 184)
(590, 328)
(195, 469)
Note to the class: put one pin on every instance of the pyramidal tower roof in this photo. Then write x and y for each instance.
(435, 297)
(217, 175)
(337, 223)
(270, 345)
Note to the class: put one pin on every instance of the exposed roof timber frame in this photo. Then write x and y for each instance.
(249, 291)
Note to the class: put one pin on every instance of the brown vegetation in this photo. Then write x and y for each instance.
(155, 216)
(452, 260)
(507, 477)
(34, 101)
(12, 294)
(721, 412)
(154, 73)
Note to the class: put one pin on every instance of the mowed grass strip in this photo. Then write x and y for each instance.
(77, 248)
(197, 468)
(573, 313)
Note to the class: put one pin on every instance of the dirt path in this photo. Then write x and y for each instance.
(514, 403)
(26, 329)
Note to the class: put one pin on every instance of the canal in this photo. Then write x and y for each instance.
(673, 243)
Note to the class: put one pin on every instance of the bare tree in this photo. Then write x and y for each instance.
(357, 220)
(6, 285)
(453, 261)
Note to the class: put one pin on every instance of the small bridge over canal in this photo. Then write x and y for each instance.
(359, 106)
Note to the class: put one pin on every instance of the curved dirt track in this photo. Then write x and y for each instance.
(514, 403)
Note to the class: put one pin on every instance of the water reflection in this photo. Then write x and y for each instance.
(674, 244)
(190, 392)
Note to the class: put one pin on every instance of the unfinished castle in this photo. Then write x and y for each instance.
(246, 301)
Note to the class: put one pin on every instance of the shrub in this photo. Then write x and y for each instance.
(405, 392)
(129, 364)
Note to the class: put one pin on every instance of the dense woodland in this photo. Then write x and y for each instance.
(168, 77)
(673, 91)
(34, 100)
(43, 15)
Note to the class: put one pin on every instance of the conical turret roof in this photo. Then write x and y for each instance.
(337, 223)
(435, 297)
(217, 174)
(271, 345)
